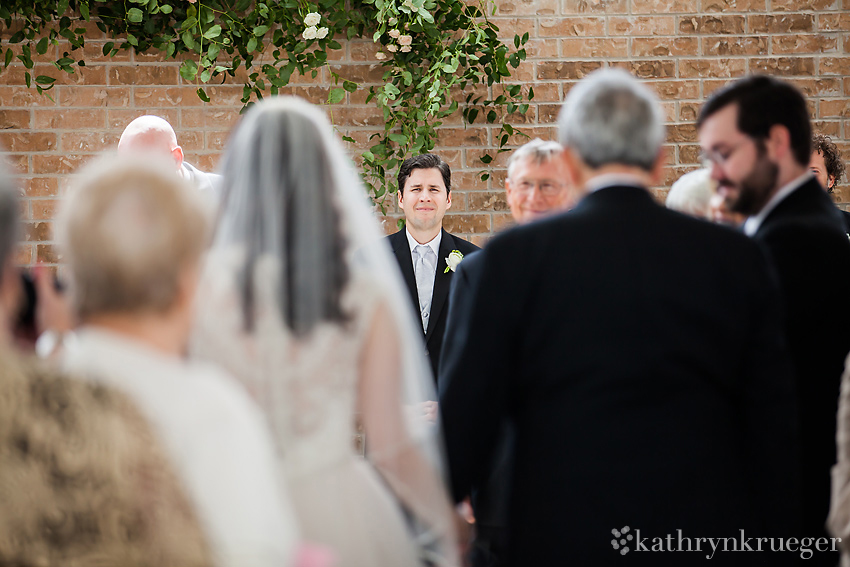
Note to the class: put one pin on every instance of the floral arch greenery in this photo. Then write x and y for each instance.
(433, 53)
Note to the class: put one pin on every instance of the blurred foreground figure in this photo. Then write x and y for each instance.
(757, 135)
(302, 300)
(640, 407)
(83, 480)
(133, 234)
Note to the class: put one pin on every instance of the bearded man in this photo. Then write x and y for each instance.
(756, 135)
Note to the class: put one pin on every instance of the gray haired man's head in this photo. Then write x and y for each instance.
(537, 150)
(611, 118)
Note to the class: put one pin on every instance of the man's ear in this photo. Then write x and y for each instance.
(400, 194)
(177, 154)
(778, 142)
(830, 182)
(449, 200)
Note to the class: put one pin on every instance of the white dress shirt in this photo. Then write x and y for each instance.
(215, 436)
(752, 224)
(425, 302)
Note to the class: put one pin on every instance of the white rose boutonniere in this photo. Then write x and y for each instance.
(453, 260)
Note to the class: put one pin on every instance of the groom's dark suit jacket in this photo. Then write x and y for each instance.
(639, 355)
(442, 281)
(806, 239)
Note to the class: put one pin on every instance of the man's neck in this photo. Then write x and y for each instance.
(423, 236)
(636, 175)
(165, 333)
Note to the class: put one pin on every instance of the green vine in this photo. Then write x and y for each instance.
(436, 54)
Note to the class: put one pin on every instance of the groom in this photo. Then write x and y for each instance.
(423, 248)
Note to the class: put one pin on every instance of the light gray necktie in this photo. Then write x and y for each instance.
(424, 270)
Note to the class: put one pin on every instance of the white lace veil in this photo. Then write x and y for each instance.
(290, 191)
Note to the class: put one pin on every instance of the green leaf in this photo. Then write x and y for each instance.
(400, 139)
(41, 46)
(486, 158)
(9, 56)
(213, 32)
(260, 30)
(28, 79)
(202, 94)
(491, 116)
(252, 45)
(349, 86)
(132, 40)
(44, 80)
(205, 75)
(189, 70)
(135, 15)
(165, 9)
(107, 48)
(84, 10)
(336, 96)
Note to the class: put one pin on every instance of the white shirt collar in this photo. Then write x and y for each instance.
(434, 244)
(611, 180)
(753, 223)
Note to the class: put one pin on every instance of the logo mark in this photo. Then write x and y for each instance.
(621, 539)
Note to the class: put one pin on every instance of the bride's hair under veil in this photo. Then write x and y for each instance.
(303, 243)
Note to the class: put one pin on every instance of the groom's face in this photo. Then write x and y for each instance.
(424, 198)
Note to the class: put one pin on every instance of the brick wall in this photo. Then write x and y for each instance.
(685, 49)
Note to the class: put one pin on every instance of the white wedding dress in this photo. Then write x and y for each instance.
(308, 389)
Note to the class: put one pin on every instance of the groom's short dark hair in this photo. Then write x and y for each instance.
(424, 161)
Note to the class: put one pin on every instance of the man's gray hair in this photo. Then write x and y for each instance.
(8, 214)
(611, 118)
(537, 149)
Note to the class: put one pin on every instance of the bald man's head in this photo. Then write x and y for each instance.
(150, 134)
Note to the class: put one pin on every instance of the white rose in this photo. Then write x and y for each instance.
(312, 19)
(405, 40)
(380, 56)
(454, 258)
(394, 34)
(392, 21)
(392, 48)
(310, 33)
(322, 33)
(405, 49)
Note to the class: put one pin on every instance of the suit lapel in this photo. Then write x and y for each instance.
(442, 282)
(401, 249)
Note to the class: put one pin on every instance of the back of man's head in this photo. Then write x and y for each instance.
(764, 102)
(129, 230)
(611, 118)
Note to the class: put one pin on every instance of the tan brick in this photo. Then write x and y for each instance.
(467, 180)
(462, 137)
(69, 118)
(834, 22)
(120, 75)
(207, 118)
(502, 222)
(60, 164)
(689, 153)
(40, 186)
(712, 68)
(712, 25)
(740, 45)
(688, 111)
(44, 208)
(223, 95)
(488, 201)
(118, 118)
(641, 25)
(594, 47)
(76, 96)
(165, 97)
(529, 7)
(596, 6)
(204, 162)
(37, 231)
(804, 5)
(835, 66)
(649, 69)
(151, 56)
(675, 90)
(18, 163)
(541, 48)
(834, 108)
(785, 23)
(27, 141)
(818, 87)
(547, 70)
(18, 119)
(508, 27)
(681, 133)
(784, 65)
(664, 46)
(24, 254)
(22, 97)
(574, 26)
(803, 43)
(47, 254)
(466, 223)
(665, 6)
(357, 116)
(360, 73)
(88, 75)
(734, 5)
(93, 53)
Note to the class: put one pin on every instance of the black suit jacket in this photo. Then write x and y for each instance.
(805, 238)
(639, 355)
(442, 281)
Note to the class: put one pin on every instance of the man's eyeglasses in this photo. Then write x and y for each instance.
(546, 188)
(718, 157)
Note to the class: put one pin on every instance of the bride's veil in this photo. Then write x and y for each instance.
(291, 192)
